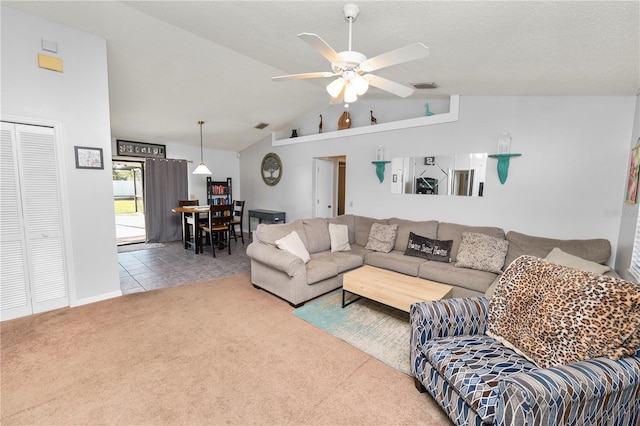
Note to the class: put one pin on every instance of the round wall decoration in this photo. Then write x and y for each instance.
(271, 169)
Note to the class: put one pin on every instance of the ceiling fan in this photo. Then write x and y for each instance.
(352, 67)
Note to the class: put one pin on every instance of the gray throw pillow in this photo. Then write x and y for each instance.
(482, 252)
(382, 237)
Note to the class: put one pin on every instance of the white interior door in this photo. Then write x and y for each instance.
(32, 233)
(324, 189)
(15, 294)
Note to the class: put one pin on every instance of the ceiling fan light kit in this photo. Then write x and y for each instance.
(351, 67)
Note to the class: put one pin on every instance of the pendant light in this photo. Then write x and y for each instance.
(201, 169)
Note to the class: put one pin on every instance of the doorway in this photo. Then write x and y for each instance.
(330, 184)
(128, 199)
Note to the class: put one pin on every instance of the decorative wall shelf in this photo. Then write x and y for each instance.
(451, 116)
(380, 166)
(503, 165)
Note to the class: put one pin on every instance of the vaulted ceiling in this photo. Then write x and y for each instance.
(172, 63)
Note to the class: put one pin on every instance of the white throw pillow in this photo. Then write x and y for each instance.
(294, 245)
(559, 257)
(339, 235)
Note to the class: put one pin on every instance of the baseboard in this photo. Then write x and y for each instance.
(98, 298)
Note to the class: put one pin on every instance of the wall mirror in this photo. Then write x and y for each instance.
(459, 174)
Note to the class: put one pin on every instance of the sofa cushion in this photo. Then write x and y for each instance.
(555, 315)
(362, 226)
(447, 273)
(339, 236)
(473, 366)
(559, 257)
(269, 233)
(453, 231)
(482, 252)
(349, 220)
(596, 250)
(395, 261)
(345, 261)
(382, 237)
(317, 231)
(320, 270)
(293, 244)
(427, 248)
(427, 228)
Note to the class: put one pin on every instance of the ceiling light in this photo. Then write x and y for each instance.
(360, 85)
(201, 169)
(350, 95)
(335, 87)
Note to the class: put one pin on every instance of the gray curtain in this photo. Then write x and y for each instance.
(165, 183)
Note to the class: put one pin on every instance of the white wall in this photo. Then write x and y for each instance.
(223, 164)
(78, 99)
(567, 183)
(628, 213)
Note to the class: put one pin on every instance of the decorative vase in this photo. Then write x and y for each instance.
(294, 133)
(427, 113)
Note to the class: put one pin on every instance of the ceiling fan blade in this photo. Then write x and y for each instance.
(389, 86)
(303, 76)
(321, 46)
(394, 57)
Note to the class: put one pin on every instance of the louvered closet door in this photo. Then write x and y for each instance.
(39, 218)
(15, 296)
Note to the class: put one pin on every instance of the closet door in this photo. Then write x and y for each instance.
(38, 218)
(15, 296)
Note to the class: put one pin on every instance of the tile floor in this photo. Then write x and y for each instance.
(153, 268)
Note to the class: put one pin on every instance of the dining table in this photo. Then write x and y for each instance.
(194, 212)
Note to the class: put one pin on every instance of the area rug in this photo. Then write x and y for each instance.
(139, 246)
(376, 329)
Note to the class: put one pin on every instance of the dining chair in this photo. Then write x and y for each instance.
(238, 213)
(189, 236)
(217, 227)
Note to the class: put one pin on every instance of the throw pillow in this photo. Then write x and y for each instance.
(556, 315)
(339, 235)
(482, 252)
(294, 245)
(437, 250)
(382, 237)
(559, 257)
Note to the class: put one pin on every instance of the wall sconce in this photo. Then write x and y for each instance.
(380, 163)
(503, 156)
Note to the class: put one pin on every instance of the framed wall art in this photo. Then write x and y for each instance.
(89, 158)
(140, 149)
(631, 194)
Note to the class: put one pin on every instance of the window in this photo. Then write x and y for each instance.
(634, 269)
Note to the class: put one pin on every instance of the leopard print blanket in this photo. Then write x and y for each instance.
(554, 315)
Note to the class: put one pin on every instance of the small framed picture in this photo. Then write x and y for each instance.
(89, 158)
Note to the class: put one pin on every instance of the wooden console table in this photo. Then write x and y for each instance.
(271, 216)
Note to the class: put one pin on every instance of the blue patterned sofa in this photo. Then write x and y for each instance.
(478, 380)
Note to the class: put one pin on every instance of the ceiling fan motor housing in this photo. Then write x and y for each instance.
(349, 58)
(351, 11)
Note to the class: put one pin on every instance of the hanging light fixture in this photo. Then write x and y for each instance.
(201, 169)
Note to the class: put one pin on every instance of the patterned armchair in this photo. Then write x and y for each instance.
(477, 380)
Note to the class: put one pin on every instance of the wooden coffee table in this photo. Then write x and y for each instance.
(391, 288)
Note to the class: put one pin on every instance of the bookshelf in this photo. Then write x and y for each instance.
(219, 191)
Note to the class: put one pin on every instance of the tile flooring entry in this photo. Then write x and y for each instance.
(153, 268)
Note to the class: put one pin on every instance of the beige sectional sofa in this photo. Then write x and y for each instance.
(287, 276)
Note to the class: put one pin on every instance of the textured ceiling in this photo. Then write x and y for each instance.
(172, 63)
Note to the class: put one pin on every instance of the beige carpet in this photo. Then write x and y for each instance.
(219, 352)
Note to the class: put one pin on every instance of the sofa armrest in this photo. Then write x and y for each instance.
(278, 259)
(595, 391)
(449, 317)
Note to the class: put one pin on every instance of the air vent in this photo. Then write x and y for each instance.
(260, 126)
(425, 85)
